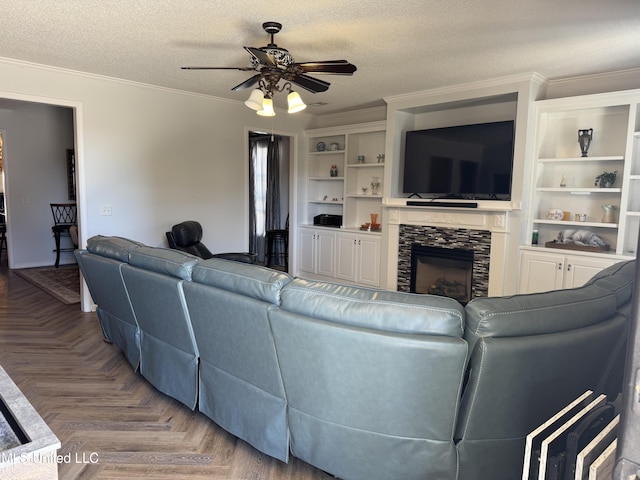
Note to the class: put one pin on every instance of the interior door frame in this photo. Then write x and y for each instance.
(293, 185)
(81, 192)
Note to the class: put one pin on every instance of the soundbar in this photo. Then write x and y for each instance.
(426, 203)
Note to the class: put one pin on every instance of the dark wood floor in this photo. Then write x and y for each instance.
(101, 410)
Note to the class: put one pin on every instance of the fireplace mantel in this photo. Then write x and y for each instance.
(502, 225)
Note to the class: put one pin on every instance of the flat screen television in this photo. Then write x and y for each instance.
(467, 161)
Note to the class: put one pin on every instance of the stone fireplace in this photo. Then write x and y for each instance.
(491, 233)
(456, 241)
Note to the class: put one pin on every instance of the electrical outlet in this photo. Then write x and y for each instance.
(105, 210)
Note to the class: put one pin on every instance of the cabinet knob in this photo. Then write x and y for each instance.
(559, 265)
(569, 267)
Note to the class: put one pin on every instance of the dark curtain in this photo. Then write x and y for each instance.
(264, 190)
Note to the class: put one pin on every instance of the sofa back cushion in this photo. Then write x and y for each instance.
(240, 382)
(117, 248)
(249, 280)
(103, 275)
(618, 278)
(169, 355)
(164, 261)
(538, 313)
(382, 310)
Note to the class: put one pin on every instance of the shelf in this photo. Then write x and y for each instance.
(365, 165)
(327, 152)
(542, 248)
(364, 197)
(578, 191)
(358, 230)
(576, 224)
(612, 158)
(326, 202)
(365, 139)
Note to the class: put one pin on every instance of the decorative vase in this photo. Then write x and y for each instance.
(374, 219)
(375, 185)
(584, 140)
(609, 215)
(563, 181)
(333, 171)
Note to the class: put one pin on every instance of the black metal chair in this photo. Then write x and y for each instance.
(277, 246)
(64, 217)
(186, 236)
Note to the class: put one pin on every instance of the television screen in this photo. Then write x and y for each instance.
(468, 161)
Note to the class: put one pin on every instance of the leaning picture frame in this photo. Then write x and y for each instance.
(71, 174)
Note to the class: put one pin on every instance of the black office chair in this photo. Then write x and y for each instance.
(64, 217)
(186, 236)
(277, 246)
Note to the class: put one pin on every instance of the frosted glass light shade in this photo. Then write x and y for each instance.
(267, 108)
(255, 100)
(295, 102)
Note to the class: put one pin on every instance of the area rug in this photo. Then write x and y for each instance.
(62, 283)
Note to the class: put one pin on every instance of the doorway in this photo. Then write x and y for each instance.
(36, 137)
(269, 195)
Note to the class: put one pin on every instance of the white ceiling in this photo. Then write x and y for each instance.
(398, 46)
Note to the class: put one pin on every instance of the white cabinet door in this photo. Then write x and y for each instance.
(346, 256)
(307, 250)
(325, 251)
(580, 270)
(541, 272)
(358, 258)
(368, 260)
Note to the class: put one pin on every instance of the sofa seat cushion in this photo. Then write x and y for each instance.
(162, 260)
(538, 313)
(254, 281)
(117, 248)
(382, 310)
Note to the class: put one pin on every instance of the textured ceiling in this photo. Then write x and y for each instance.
(398, 46)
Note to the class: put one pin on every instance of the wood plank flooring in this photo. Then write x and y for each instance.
(113, 424)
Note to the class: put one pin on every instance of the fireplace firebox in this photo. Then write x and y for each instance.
(447, 272)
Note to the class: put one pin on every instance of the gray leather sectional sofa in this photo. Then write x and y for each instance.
(361, 383)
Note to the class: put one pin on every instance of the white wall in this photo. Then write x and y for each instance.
(156, 156)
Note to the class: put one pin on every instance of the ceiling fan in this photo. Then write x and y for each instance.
(273, 64)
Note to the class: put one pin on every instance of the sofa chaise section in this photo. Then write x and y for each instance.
(101, 266)
(531, 356)
(372, 378)
(169, 354)
(240, 383)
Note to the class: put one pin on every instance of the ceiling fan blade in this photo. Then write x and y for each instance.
(263, 57)
(250, 82)
(311, 84)
(242, 69)
(336, 67)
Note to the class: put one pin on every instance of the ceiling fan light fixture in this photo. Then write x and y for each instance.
(295, 102)
(267, 108)
(255, 100)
